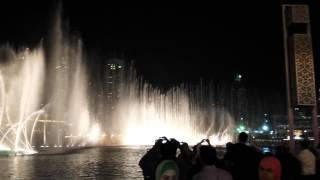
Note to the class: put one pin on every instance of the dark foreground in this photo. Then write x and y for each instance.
(93, 163)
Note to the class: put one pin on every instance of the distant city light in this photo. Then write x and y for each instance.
(242, 128)
(238, 77)
(265, 128)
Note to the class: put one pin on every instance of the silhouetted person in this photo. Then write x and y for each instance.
(270, 169)
(242, 159)
(163, 149)
(168, 150)
(196, 163)
(150, 160)
(308, 161)
(184, 161)
(208, 159)
(290, 165)
(226, 162)
(228, 145)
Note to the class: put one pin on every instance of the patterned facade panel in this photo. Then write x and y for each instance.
(304, 70)
(300, 14)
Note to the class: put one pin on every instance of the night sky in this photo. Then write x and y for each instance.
(171, 44)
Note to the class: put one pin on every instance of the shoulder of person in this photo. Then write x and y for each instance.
(225, 174)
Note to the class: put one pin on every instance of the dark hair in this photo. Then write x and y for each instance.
(208, 155)
(243, 137)
(168, 150)
(229, 144)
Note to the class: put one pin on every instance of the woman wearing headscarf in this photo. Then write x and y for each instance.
(167, 170)
(270, 169)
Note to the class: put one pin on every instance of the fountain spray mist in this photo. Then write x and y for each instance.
(45, 101)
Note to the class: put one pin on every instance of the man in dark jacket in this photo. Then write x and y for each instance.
(243, 159)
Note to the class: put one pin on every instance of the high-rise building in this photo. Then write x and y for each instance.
(239, 101)
(113, 75)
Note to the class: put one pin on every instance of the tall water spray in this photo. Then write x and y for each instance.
(68, 82)
(43, 94)
(44, 101)
(22, 75)
(144, 113)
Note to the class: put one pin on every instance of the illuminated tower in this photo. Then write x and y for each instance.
(240, 101)
(112, 85)
(300, 76)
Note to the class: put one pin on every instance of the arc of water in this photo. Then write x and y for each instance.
(26, 143)
(33, 127)
(8, 131)
(21, 126)
(26, 137)
(8, 117)
(38, 113)
(23, 105)
(8, 139)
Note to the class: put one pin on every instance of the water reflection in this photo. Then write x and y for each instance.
(95, 163)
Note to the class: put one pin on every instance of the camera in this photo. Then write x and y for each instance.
(163, 139)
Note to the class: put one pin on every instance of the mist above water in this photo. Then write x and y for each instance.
(46, 100)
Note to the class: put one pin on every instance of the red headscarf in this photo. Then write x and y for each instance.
(272, 163)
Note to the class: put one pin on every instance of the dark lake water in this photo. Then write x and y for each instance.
(93, 163)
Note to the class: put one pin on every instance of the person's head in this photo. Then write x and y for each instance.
(228, 145)
(168, 150)
(167, 170)
(158, 143)
(243, 137)
(304, 144)
(269, 169)
(185, 149)
(208, 155)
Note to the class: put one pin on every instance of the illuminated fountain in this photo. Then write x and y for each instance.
(67, 84)
(44, 101)
(190, 114)
(21, 82)
(40, 89)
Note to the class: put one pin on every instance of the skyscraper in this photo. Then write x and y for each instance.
(113, 75)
